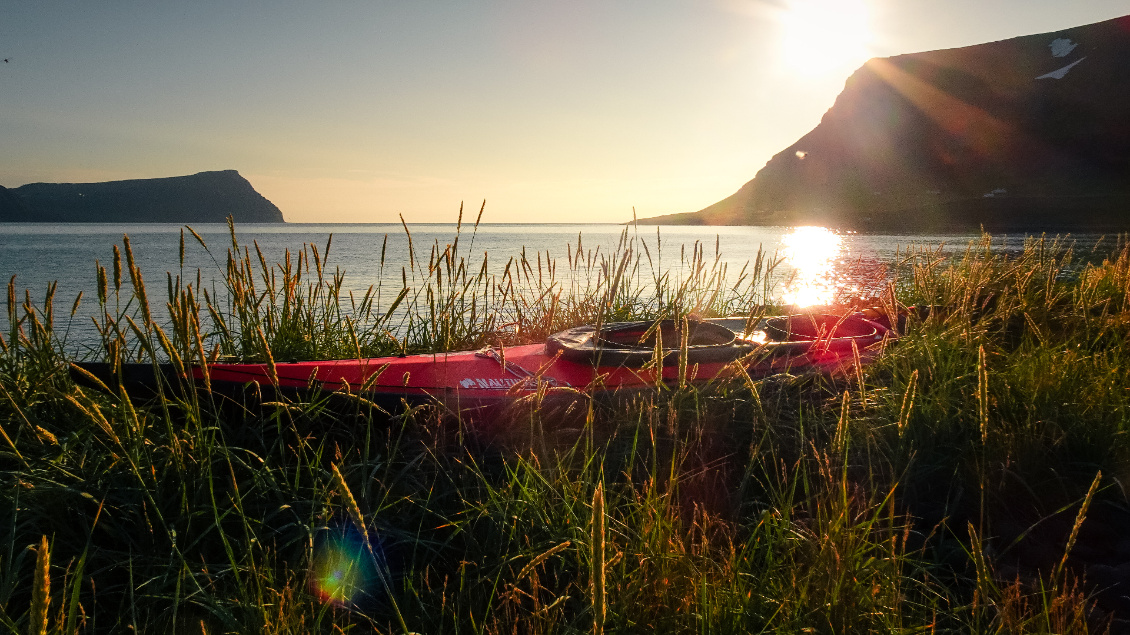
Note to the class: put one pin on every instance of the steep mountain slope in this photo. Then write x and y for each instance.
(199, 198)
(1027, 133)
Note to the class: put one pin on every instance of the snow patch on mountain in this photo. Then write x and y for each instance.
(1062, 46)
(1059, 74)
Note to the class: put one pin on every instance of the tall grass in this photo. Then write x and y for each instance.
(942, 488)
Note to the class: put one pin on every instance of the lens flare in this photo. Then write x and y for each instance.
(343, 569)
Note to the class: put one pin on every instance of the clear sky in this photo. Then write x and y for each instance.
(572, 111)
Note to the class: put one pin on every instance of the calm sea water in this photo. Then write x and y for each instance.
(816, 262)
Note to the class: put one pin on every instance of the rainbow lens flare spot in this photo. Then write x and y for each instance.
(343, 569)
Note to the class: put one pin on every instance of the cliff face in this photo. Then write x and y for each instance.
(11, 206)
(207, 197)
(1028, 133)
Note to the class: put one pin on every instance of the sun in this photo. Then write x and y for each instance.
(820, 37)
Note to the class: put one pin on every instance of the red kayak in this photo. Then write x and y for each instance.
(617, 357)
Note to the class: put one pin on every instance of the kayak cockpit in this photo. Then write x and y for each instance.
(717, 340)
(636, 343)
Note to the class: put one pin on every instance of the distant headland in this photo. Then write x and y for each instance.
(205, 197)
(1026, 134)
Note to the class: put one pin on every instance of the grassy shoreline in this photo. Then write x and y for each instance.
(968, 481)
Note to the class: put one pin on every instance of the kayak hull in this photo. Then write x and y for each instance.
(469, 380)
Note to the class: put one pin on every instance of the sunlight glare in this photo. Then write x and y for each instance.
(812, 253)
(825, 36)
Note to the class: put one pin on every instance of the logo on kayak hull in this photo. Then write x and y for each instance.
(490, 384)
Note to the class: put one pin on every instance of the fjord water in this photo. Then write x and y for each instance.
(816, 264)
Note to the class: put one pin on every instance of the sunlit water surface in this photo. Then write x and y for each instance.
(815, 265)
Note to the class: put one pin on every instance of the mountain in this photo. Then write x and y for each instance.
(206, 197)
(1030, 133)
(12, 205)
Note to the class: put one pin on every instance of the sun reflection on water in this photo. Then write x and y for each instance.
(812, 253)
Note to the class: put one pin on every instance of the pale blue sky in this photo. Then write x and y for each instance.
(360, 111)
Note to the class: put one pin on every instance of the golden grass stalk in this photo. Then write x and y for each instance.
(3, 433)
(983, 393)
(117, 269)
(138, 283)
(354, 511)
(40, 591)
(841, 440)
(683, 350)
(542, 557)
(351, 506)
(1079, 518)
(272, 371)
(597, 571)
(857, 361)
(908, 402)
